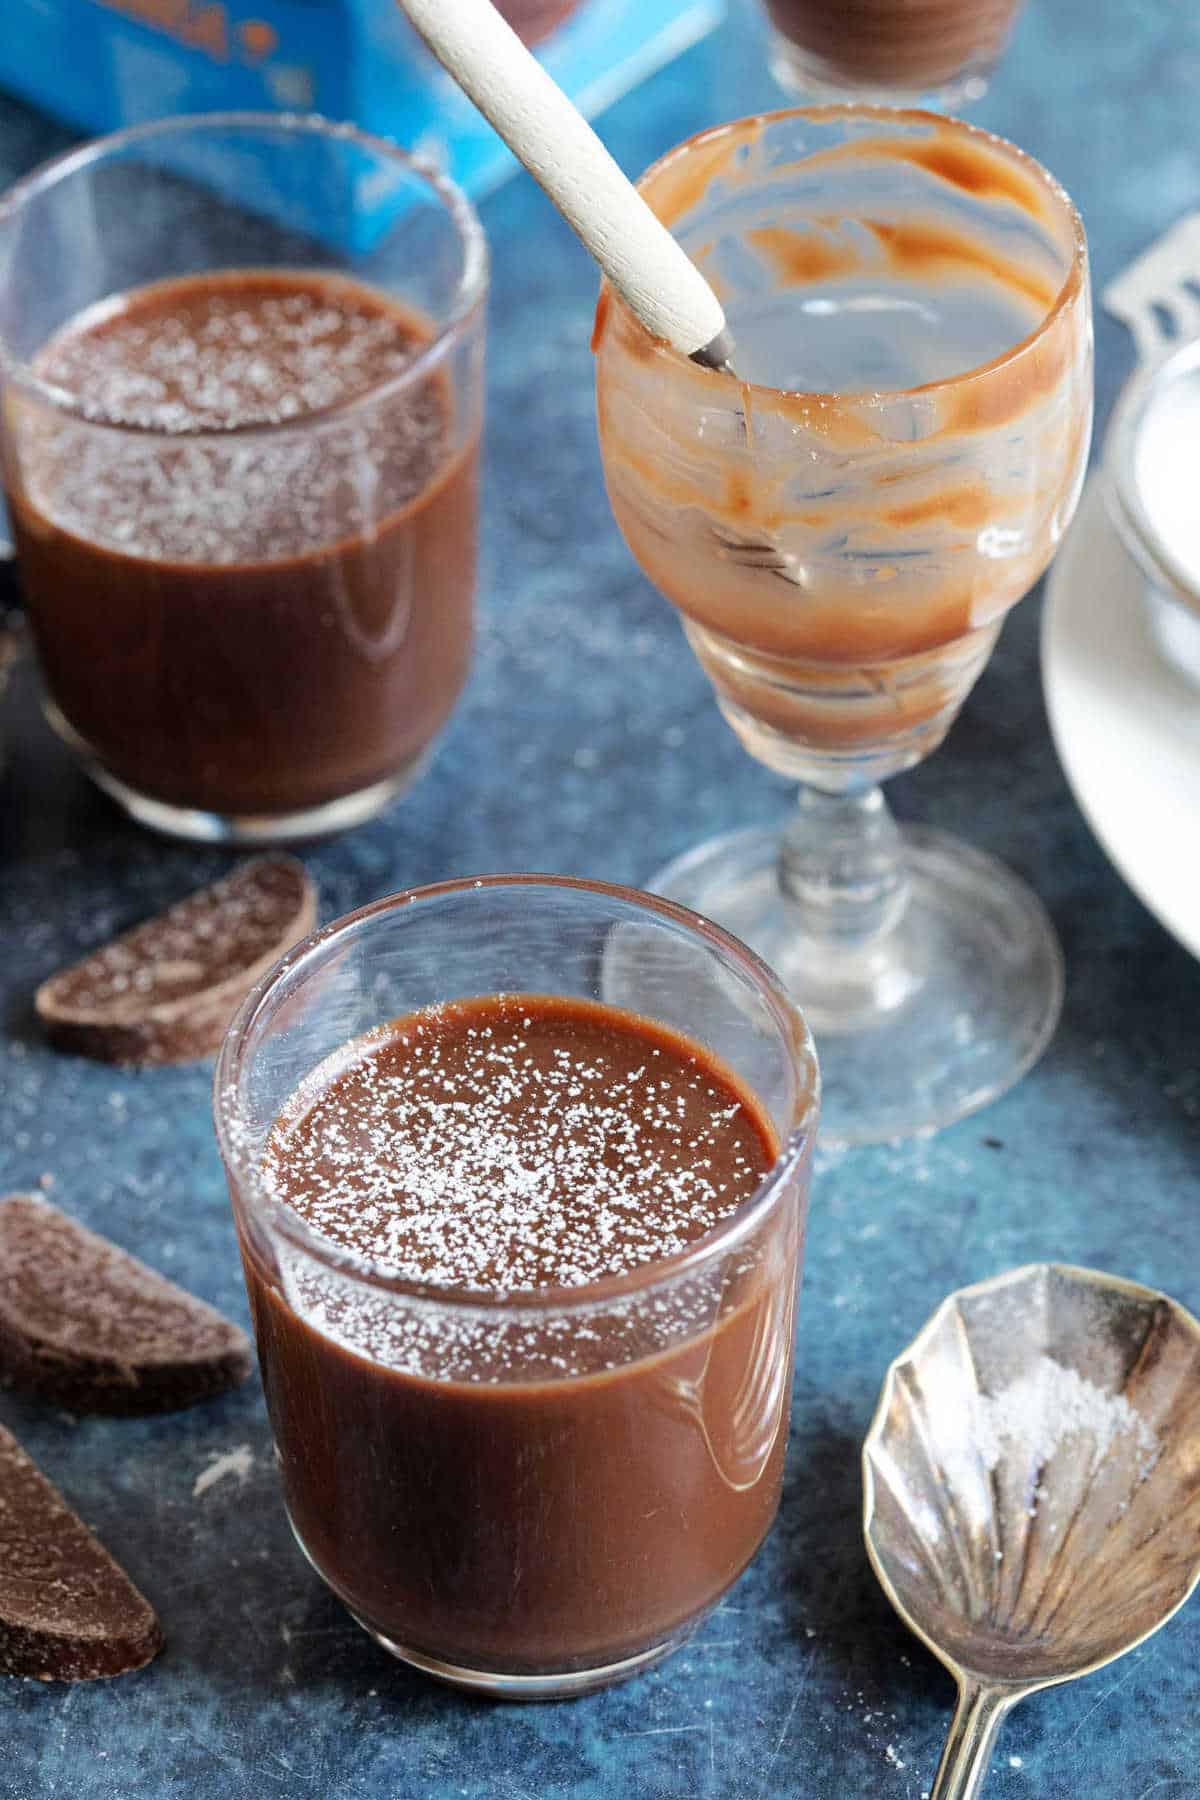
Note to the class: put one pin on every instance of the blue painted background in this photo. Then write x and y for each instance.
(588, 742)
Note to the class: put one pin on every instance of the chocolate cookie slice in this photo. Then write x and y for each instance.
(86, 1325)
(68, 1612)
(166, 991)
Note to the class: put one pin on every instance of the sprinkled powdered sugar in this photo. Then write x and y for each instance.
(518, 1143)
(213, 353)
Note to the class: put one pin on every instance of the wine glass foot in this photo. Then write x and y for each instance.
(921, 1026)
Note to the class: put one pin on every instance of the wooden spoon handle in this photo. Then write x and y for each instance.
(561, 151)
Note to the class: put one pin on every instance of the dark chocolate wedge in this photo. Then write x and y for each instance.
(67, 1611)
(86, 1325)
(166, 991)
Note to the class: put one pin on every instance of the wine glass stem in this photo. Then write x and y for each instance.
(841, 865)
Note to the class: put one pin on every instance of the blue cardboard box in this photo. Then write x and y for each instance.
(105, 63)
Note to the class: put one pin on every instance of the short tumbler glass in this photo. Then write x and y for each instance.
(892, 51)
(249, 631)
(643, 1418)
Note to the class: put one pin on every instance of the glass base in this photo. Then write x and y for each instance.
(496, 1685)
(927, 1023)
(800, 73)
(528, 1687)
(250, 829)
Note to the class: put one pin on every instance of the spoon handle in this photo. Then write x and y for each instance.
(561, 151)
(972, 1733)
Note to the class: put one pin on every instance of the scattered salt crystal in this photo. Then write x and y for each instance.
(1048, 1404)
(505, 1161)
(191, 367)
(498, 1157)
(237, 1462)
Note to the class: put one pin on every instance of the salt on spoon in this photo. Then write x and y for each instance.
(1029, 1489)
(542, 128)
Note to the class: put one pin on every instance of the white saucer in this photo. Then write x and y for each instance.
(1126, 725)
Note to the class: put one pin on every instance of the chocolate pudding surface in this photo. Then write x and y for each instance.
(517, 1143)
(571, 1486)
(256, 595)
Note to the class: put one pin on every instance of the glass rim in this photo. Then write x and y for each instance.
(1071, 286)
(469, 293)
(229, 1115)
(1152, 551)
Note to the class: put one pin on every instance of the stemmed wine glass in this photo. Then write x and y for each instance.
(843, 527)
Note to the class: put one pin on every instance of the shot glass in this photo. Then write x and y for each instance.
(241, 362)
(533, 1493)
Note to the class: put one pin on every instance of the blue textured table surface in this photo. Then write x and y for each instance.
(588, 742)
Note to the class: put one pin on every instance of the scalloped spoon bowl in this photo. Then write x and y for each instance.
(1032, 1487)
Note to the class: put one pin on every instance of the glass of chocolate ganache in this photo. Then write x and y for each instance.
(843, 526)
(242, 368)
(523, 1267)
(890, 51)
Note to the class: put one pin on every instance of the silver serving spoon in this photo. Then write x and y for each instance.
(1032, 1477)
